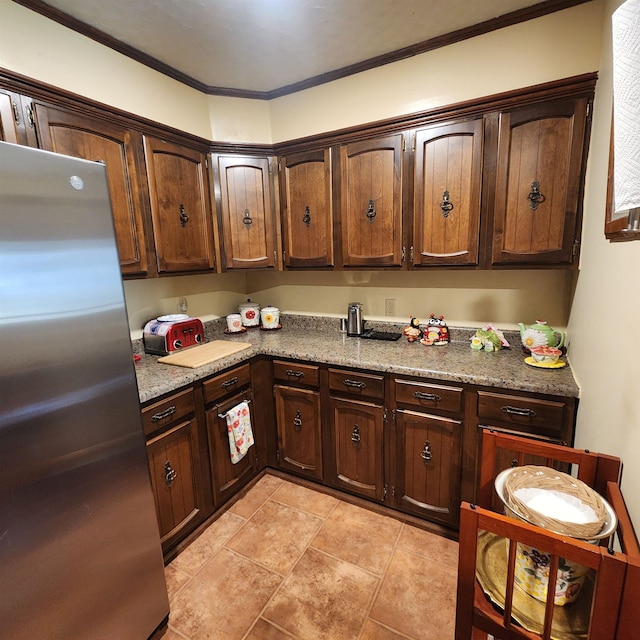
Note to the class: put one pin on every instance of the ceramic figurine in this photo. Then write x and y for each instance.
(489, 338)
(540, 335)
(412, 330)
(436, 331)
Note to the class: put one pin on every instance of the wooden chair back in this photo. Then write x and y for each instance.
(473, 611)
(594, 469)
(614, 611)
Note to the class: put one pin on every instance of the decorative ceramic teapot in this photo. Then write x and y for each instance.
(540, 335)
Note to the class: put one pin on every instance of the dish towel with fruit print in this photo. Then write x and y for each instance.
(239, 429)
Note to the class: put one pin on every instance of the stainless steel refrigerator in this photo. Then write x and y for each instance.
(80, 553)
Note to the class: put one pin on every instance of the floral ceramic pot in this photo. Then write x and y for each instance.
(540, 334)
(250, 312)
(532, 575)
(270, 317)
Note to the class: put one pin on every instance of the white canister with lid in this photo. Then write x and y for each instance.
(270, 317)
(250, 312)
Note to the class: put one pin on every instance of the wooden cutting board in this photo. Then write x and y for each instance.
(195, 357)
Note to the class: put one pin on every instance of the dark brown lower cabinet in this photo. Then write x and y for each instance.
(429, 453)
(227, 476)
(299, 430)
(172, 457)
(357, 430)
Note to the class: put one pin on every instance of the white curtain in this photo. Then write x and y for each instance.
(626, 105)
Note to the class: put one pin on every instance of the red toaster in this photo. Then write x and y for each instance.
(166, 334)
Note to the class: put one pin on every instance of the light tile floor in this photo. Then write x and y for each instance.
(289, 563)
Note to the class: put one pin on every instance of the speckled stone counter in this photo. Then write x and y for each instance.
(319, 340)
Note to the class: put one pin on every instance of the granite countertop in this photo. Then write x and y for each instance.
(319, 340)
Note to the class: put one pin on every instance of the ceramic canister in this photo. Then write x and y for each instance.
(270, 317)
(234, 322)
(250, 312)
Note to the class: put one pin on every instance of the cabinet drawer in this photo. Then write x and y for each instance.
(530, 415)
(429, 396)
(356, 384)
(226, 383)
(296, 374)
(168, 411)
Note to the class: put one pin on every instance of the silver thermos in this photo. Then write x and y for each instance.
(355, 323)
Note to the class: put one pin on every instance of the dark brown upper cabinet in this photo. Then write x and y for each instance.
(371, 202)
(77, 135)
(306, 197)
(447, 191)
(539, 178)
(17, 123)
(246, 212)
(180, 206)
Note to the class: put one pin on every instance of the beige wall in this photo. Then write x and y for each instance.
(559, 45)
(607, 363)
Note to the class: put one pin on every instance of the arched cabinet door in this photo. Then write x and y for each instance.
(120, 149)
(246, 211)
(180, 206)
(447, 194)
(306, 197)
(538, 198)
(371, 202)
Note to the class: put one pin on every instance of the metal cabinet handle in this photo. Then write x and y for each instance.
(297, 421)
(229, 383)
(355, 434)
(519, 411)
(535, 196)
(247, 221)
(184, 217)
(446, 205)
(306, 218)
(156, 417)
(170, 474)
(420, 395)
(426, 454)
(295, 374)
(356, 384)
(371, 212)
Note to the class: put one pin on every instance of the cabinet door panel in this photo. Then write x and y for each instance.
(359, 455)
(173, 468)
(538, 183)
(227, 477)
(180, 207)
(16, 119)
(430, 449)
(91, 139)
(307, 209)
(371, 202)
(299, 434)
(246, 212)
(448, 178)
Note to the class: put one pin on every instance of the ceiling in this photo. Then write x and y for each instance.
(266, 48)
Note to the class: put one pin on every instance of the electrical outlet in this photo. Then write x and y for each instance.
(390, 307)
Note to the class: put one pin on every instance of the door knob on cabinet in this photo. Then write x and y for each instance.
(297, 421)
(247, 221)
(446, 205)
(426, 454)
(371, 212)
(535, 195)
(184, 217)
(170, 474)
(355, 434)
(306, 218)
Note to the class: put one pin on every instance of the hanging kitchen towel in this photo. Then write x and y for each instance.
(239, 430)
(626, 105)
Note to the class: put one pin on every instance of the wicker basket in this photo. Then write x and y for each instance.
(574, 491)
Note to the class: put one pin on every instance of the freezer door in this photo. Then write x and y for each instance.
(80, 553)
